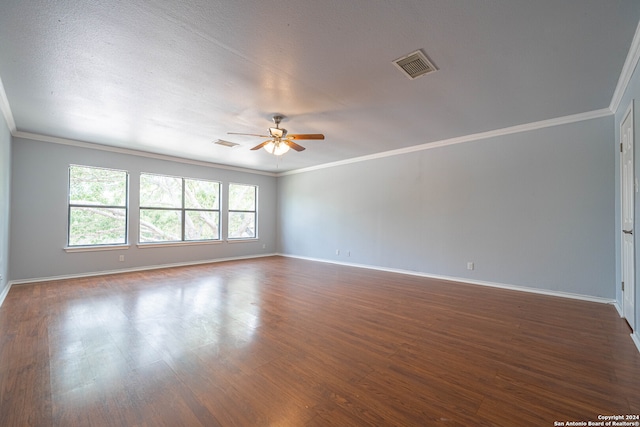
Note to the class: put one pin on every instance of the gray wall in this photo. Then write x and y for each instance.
(5, 197)
(39, 212)
(533, 209)
(632, 93)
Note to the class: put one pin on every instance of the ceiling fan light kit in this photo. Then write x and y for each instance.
(276, 148)
(280, 141)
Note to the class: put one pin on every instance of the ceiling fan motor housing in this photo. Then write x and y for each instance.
(277, 132)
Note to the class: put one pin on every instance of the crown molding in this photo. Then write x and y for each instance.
(628, 68)
(94, 146)
(462, 139)
(6, 109)
(4, 105)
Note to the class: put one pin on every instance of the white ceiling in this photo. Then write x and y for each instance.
(170, 77)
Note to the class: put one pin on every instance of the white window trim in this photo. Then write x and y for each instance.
(229, 210)
(95, 248)
(185, 243)
(243, 240)
(126, 207)
(182, 209)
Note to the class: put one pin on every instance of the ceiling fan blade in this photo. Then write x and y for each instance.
(248, 134)
(259, 146)
(306, 136)
(293, 145)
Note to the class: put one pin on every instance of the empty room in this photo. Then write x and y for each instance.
(299, 213)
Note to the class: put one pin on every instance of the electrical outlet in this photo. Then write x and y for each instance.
(470, 266)
(264, 246)
(337, 251)
(121, 258)
(348, 253)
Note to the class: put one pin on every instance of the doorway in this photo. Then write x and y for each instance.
(627, 186)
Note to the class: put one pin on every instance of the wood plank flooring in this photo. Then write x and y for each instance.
(286, 342)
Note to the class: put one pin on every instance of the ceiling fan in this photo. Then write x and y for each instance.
(280, 141)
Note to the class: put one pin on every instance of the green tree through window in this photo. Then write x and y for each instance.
(97, 206)
(242, 211)
(174, 209)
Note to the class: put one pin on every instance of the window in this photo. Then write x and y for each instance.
(174, 209)
(242, 211)
(97, 206)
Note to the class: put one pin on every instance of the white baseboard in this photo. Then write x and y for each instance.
(618, 308)
(4, 293)
(134, 269)
(369, 267)
(466, 281)
(636, 339)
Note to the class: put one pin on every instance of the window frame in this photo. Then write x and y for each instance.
(255, 213)
(182, 213)
(98, 246)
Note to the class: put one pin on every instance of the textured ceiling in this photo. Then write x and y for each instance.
(171, 77)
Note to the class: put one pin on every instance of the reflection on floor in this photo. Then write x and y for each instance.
(278, 341)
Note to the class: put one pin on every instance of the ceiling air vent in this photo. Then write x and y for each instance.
(225, 143)
(414, 65)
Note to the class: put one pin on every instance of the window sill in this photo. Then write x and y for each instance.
(71, 249)
(172, 244)
(243, 240)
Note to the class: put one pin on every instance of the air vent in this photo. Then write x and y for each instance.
(414, 65)
(225, 143)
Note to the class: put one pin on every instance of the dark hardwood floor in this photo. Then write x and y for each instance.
(287, 342)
